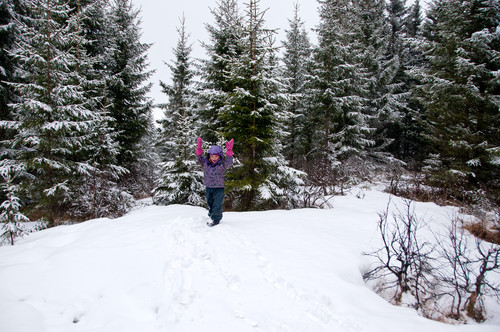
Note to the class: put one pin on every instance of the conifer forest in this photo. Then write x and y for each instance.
(389, 92)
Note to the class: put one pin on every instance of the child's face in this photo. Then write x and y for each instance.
(214, 158)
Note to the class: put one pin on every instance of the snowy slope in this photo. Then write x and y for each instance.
(162, 269)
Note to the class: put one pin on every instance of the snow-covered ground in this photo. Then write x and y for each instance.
(160, 268)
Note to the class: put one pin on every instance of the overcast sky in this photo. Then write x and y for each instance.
(160, 19)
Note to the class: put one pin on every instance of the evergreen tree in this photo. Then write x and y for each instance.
(51, 119)
(460, 89)
(297, 61)
(11, 13)
(181, 181)
(338, 87)
(10, 217)
(223, 49)
(13, 221)
(126, 66)
(413, 24)
(397, 16)
(147, 172)
(252, 117)
(413, 144)
(382, 102)
(7, 38)
(99, 194)
(93, 24)
(405, 129)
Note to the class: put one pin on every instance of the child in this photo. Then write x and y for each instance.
(214, 167)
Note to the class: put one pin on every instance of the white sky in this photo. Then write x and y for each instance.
(160, 19)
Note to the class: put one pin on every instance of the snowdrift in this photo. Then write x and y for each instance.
(160, 268)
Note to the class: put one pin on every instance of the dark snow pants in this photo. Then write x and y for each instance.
(215, 199)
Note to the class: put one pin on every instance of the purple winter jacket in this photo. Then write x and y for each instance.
(213, 174)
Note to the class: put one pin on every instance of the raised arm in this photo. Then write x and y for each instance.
(229, 148)
(228, 161)
(199, 150)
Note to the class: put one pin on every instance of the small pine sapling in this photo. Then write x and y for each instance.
(10, 216)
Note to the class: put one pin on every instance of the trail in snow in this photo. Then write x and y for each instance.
(241, 280)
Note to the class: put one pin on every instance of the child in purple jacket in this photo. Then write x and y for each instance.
(214, 166)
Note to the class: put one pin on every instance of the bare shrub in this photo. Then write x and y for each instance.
(487, 260)
(335, 177)
(403, 260)
(464, 278)
(313, 197)
(454, 275)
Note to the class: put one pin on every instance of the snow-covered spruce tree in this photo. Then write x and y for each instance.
(181, 180)
(297, 60)
(460, 91)
(413, 24)
(396, 130)
(126, 65)
(98, 193)
(93, 21)
(382, 102)
(51, 118)
(405, 130)
(341, 130)
(12, 14)
(252, 117)
(8, 35)
(216, 85)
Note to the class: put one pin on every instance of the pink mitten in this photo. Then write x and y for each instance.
(229, 148)
(199, 150)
